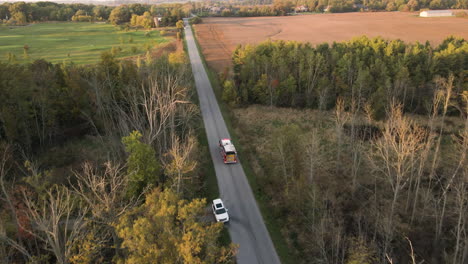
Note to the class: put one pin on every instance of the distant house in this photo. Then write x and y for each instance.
(215, 9)
(157, 20)
(360, 7)
(301, 8)
(436, 13)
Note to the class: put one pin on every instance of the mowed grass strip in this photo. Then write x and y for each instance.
(80, 43)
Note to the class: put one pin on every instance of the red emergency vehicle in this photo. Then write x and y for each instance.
(228, 151)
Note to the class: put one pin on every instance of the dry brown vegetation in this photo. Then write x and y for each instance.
(341, 198)
(218, 37)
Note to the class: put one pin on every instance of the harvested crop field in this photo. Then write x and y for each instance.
(218, 36)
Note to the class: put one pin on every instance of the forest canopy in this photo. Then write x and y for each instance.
(86, 150)
(365, 71)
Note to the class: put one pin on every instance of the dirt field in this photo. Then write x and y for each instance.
(219, 36)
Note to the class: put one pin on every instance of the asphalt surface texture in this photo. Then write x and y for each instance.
(246, 226)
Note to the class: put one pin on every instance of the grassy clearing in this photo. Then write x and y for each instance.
(260, 127)
(273, 225)
(80, 43)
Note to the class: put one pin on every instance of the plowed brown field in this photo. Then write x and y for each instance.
(218, 37)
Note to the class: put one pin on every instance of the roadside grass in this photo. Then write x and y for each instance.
(80, 43)
(273, 224)
(210, 189)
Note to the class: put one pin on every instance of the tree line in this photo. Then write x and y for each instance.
(365, 71)
(100, 163)
(285, 7)
(336, 6)
(21, 13)
(238, 9)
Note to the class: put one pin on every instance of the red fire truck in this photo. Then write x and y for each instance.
(228, 151)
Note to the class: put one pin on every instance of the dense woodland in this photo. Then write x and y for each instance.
(364, 71)
(381, 176)
(100, 163)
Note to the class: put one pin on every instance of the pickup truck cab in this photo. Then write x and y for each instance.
(220, 212)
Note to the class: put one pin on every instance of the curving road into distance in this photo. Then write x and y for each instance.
(246, 225)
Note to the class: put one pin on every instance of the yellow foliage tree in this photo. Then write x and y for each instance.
(167, 229)
(177, 57)
(359, 253)
(144, 21)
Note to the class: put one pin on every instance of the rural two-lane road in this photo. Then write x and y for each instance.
(246, 226)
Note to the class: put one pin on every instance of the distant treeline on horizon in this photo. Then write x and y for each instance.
(21, 13)
(283, 7)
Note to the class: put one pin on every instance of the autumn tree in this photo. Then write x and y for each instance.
(101, 12)
(19, 12)
(119, 15)
(144, 21)
(229, 93)
(143, 169)
(180, 25)
(166, 229)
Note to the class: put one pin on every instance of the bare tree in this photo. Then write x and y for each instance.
(156, 107)
(413, 257)
(317, 66)
(5, 252)
(153, 110)
(313, 154)
(446, 90)
(355, 143)
(280, 151)
(58, 220)
(341, 117)
(323, 96)
(461, 202)
(180, 162)
(424, 155)
(444, 93)
(460, 184)
(393, 156)
(104, 193)
(329, 236)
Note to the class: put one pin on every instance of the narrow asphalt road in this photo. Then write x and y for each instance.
(246, 226)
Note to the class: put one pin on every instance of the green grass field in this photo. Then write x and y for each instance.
(81, 42)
